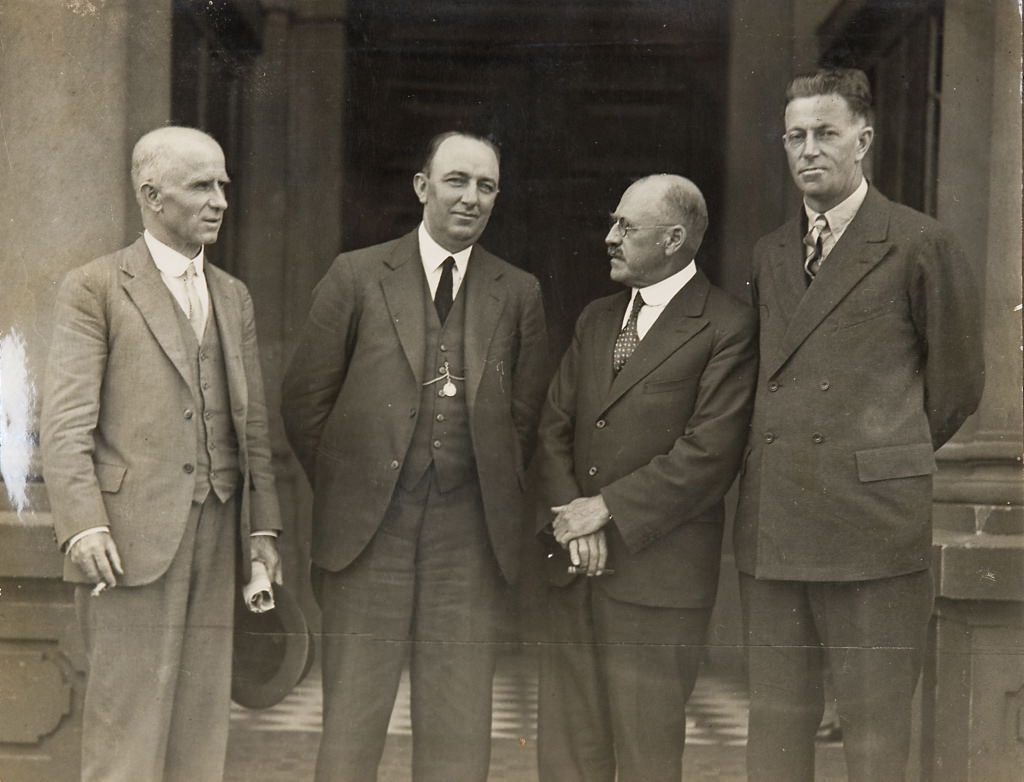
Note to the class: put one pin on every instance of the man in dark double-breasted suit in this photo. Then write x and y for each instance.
(871, 358)
(411, 402)
(640, 437)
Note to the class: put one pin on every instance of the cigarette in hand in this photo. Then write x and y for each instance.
(576, 570)
(99, 589)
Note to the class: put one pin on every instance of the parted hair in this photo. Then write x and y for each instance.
(851, 84)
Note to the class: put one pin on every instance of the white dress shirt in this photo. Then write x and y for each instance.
(434, 255)
(172, 266)
(839, 217)
(657, 296)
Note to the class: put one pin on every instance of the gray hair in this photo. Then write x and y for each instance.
(156, 154)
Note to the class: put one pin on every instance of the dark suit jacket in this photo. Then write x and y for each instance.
(352, 392)
(863, 375)
(661, 441)
(115, 431)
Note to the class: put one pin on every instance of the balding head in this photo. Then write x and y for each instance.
(179, 178)
(679, 201)
(159, 153)
(657, 229)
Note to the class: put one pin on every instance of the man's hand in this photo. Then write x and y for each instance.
(263, 548)
(97, 556)
(582, 516)
(590, 553)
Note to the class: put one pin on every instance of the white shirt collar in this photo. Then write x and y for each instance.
(433, 255)
(660, 293)
(842, 214)
(170, 261)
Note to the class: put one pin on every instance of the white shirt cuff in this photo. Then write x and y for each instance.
(78, 536)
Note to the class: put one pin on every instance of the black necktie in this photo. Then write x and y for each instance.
(443, 296)
(629, 337)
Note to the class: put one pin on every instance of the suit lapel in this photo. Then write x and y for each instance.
(485, 301)
(861, 247)
(787, 270)
(227, 311)
(676, 326)
(145, 287)
(607, 328)
(403, 292)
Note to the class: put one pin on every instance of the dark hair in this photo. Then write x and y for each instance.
(850, 84)
(440, 138)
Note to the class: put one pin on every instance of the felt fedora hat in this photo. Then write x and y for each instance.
(273, 651)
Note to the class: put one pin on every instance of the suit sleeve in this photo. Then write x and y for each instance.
(530, 372)
(71, 404)
(320, 362)
(946, 308)
(265, 512)
(556, 434)
(696, 473)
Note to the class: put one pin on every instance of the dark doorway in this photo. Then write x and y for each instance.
(584, 97)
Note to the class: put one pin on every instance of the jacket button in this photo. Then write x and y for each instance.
(189, 468)
(824, 385)
(592, 471)
(773, 386)
(437, 443)
(394, 464)
(440, 392)
(601, 423)
(817, 438)
(440, 417)
(188, 415)
(769, 437)
(443, 348)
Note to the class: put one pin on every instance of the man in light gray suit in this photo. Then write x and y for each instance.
(158, 467)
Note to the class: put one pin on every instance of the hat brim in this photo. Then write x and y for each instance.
(272, 652)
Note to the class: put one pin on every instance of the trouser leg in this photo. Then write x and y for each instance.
(458, 614)
(875, 634)
(784, 665)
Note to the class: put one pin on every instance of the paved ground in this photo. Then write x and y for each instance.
(280, 744)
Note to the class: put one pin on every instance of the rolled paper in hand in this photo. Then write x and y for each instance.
(258, 593)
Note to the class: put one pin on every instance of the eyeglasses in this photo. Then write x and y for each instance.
(795, 139)
(624, 227)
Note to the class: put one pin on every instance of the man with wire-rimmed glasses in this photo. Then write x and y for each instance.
(640, 437)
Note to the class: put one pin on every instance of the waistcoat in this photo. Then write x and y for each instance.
(442, 435)
(216, 462)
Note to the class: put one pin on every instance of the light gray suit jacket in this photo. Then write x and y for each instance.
(117, 434)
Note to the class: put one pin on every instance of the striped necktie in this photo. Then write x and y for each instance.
(814, 240)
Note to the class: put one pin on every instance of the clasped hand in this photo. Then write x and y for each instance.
(578, 528)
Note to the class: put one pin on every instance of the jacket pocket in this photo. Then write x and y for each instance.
(896, 461)
(660, 386)
(110, 476)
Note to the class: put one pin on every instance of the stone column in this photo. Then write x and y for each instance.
(82, 81)
(973, 698)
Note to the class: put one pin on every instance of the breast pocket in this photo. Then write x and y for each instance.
(664, 386)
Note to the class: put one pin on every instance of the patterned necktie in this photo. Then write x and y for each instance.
(814, 240)
(628, 338)
(443, 296)
(195, 305)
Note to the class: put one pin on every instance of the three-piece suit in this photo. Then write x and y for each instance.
(418, 494)
(163, 438)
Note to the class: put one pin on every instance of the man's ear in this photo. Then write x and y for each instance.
(419, 184)
(864, 139)
(151, 198)
(676, 239)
